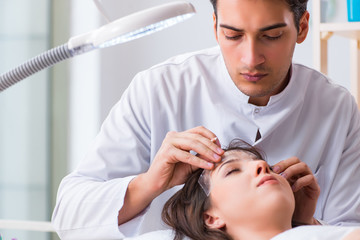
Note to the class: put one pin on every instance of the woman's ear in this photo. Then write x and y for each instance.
(213, 221)
(303, 27)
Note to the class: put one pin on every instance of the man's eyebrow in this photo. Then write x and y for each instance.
(264, 29)
(231, 28)
(278, 25)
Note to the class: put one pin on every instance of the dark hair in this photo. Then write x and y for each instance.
(184, 210)
(297, 7)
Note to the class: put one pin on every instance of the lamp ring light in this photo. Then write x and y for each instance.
(122, 30)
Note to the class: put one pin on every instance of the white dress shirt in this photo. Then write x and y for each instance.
(312, 119)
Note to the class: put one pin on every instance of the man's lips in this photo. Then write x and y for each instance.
(253, 77)
(267, 180)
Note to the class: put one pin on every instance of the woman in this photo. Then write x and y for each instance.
(240, 199)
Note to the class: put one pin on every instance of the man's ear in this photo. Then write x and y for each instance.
(213, 221)
(303, 27)
(215, 26)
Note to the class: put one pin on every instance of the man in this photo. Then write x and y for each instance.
(247, 88)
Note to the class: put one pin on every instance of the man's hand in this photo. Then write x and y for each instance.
(305, 187)
(174, 162)
(171, 166)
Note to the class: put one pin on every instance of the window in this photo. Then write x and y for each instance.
(24, 118)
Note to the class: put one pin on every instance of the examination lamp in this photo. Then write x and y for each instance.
(121, 30)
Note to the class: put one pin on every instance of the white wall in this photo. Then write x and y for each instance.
(119, 64)
(102, 77)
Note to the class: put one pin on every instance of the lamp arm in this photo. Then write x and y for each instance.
(35, 65)
(121, 30)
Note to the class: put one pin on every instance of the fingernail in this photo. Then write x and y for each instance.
(210, 165)
(219, 151)
(217, 157)
(276, 169)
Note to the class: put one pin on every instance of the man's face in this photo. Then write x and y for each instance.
(257, 39)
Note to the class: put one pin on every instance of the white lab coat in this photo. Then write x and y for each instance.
(311, 118)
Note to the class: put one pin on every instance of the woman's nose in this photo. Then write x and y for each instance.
(261, 168)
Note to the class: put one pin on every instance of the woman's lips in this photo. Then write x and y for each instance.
(268, 179)
(253, 77)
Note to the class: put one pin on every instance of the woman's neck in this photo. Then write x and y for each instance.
(258, 232)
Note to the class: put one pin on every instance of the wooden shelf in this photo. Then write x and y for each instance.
(348, 29)
(322, 32)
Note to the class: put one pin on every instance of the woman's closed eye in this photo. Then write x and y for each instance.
(231, 171)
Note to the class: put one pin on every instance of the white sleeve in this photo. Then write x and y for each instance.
(90, 198)
(88, 209)
(343, 201)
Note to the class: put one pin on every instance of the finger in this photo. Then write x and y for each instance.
(309, 182)
(207, 134)
(284, 164)
(293, 172)
(216, 141)
(188, 158)
(176, 147)
(199, 144)
(202, 131)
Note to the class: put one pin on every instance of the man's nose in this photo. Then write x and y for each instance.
(251, 54)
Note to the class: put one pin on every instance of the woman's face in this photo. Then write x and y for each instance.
(244, 189)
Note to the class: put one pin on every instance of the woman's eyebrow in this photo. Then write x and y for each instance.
(228, 161)
(236, 160)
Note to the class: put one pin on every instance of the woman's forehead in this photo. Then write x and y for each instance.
(237, 154)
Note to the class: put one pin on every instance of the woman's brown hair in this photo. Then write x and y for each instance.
(184, 211)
